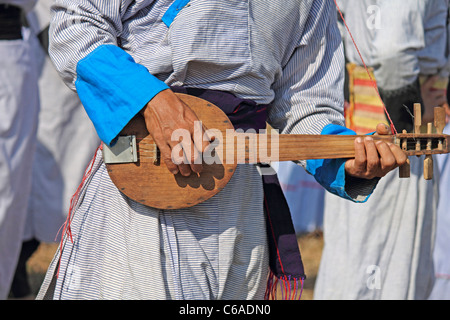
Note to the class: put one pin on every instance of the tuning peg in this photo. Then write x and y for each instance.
(439, 123)
(439, 119)
(428, 162)
(428, 167)
(417, 122)
(429, 143)
(404, 170)
(417, 117)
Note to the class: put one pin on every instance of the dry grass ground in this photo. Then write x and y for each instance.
(310, 245)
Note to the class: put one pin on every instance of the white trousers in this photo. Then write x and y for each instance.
(19, 107)
(66, 142)
(382, 249)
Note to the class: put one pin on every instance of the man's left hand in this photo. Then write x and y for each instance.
(374, 158)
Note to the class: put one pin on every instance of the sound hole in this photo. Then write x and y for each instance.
(206, 179)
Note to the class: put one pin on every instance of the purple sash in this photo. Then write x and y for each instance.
(285, 260)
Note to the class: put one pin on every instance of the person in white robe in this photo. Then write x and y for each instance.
(304, 195)
(19, 107)
(66, 142)
(441, 254)
(383, 249)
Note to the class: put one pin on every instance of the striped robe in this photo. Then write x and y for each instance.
(217, 249)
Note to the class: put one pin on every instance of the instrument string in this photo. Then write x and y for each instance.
(242, 148)
(265, 152)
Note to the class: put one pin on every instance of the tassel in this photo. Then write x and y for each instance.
(67, 231)
(291, 287)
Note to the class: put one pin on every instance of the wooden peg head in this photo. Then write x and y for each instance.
(428, 167)
(428, 162)
(404, 170)
(439, 119)
(417, 117)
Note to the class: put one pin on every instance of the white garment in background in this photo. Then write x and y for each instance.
(399, 39)
(304, 195)
(19, 107)
(66, 143)
(382, 249)
(441, 289)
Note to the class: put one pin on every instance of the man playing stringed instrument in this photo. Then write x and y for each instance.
(129, 57)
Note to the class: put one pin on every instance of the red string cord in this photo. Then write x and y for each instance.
(374, 84)
(67, 231)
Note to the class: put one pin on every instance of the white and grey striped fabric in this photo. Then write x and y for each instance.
(287, 53)
(379, 27)
(124, 250)
(294, 60)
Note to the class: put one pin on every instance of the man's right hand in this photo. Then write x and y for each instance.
(166, 113)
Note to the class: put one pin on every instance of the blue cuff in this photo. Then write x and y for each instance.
(113, 89)
(173, 10)
(330, 173)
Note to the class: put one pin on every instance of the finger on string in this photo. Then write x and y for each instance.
(360, 161)
(195, 157)
(387, 158)
(185, 169)
(167, 157)
(373, 157)
(207, 135)
(201, 137)
(198, 130)
(399, 154)
(182, 155)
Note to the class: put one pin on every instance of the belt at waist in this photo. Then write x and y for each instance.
(243, 113)
(10, 22)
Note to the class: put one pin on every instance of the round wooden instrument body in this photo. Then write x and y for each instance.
(151, 183)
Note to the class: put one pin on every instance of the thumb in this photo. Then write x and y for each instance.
(382, 129)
